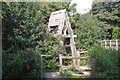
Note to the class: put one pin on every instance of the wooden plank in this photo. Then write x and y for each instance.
(65, 67)
(83, 52)
(60, 61)
(84, 68)
(70, 57)
(68, 36)
(86, 73)
(46, 55)
(56, 17)
(78, 61)
(110, 43)
(81, 68)
(105, 44)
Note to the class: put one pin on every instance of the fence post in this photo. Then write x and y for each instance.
(93, 67)
(78, 61)
(110, 43)
(41, 71)
(105, 44)
(60, 61)
(116, 44)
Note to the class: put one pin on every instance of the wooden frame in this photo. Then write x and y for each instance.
(92, 68)
(61, 19)
(69, 57)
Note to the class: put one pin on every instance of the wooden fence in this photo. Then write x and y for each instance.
(91, 68)
(113, 44)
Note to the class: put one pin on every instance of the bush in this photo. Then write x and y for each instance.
(107, 62)
(25, 64)
(116, 33)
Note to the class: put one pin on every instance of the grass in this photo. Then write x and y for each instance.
(68, 74)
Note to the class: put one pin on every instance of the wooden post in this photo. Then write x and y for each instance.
(41, 71)
(93, 67)
(105, 44)
(110, 43)
(60, 61)
(78, 61)
(101, 43)
(116, 44)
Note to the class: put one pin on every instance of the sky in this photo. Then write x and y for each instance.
(83, 6)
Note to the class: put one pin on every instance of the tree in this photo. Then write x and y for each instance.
(107, 12)
(88, 31)
(25, 38)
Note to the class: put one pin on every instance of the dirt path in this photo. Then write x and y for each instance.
(53, 75)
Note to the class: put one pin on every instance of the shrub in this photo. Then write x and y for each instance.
(25, 64)
(116, 33)
(107, 62)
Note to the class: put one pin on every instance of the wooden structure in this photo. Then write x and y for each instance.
(113, 44)
(86, 70)
(59, 25)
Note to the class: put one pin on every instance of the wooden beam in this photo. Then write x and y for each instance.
(68, 36)
(45, 55)
(70, 57)
(60, 61)
(78, 61)
(83, 52)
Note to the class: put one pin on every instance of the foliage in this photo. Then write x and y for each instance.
(107, 12)
(107, 62)
(21, 33)
(24, 34)
(25, 37)
(116, 33)
(85, 62)
(52, 47)
(19, 63)
(88, 31)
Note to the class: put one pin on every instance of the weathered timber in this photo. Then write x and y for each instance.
(83, 52)
(78, 61)
(70, 57)
(60, 61)
(59, 23)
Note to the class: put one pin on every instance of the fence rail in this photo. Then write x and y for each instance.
(113, 44)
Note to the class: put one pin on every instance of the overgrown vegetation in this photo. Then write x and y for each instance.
(25, 37)
(107, 62)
